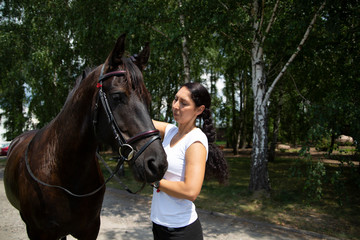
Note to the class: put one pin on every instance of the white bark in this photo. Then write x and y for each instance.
(259, 179)
(259, 174)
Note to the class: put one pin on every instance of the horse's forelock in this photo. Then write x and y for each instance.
(136, 81)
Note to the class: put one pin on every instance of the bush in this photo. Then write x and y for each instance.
(324, 145)
(315, 178)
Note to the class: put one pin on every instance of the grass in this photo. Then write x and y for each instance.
(336, 213)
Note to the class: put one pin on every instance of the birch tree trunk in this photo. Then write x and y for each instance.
(185, 50)
(259, 176)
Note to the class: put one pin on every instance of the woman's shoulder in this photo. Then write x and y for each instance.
(197, 132)
(198, 135)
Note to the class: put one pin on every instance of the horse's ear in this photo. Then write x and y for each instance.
(143, 57)
(115, 56)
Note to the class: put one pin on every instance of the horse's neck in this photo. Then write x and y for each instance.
(73, 125)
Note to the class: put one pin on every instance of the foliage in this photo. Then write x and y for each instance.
(324, 144)
(339, 185)
(314, 182)
(318, 177)
(46, 44)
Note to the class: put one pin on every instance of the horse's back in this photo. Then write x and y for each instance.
(15, 166)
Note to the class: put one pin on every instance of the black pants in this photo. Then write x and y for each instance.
(192, 231)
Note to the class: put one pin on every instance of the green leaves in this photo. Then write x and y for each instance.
(45, 45)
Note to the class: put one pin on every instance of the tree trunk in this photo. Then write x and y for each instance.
(234, 137)
(185, 50)
(244, 111)
(274, 139)
(332, 143)
(259, 176)
(242, 96)
(275, 129)
(185, 55)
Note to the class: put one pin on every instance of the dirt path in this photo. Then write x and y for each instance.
(126, 216)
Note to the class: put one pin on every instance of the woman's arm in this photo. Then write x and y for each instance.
(190, 188)
(161, 126)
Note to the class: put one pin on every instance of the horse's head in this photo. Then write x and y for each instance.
(123, 117)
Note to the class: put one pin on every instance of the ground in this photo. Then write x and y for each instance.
(126, 216)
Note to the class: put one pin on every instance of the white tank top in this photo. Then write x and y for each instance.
(166, 210)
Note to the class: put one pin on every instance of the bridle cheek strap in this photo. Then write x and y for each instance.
(125, 145)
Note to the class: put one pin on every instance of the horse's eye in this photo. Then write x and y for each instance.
(118, 97)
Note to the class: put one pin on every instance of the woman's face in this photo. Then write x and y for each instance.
(184, 108)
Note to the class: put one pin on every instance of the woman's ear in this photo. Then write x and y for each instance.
(200, 110)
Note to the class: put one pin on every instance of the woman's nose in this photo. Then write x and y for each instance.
(176, 104)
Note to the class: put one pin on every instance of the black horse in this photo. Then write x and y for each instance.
(52, 175)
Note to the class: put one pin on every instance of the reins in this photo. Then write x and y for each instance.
(113, 174)
(62, 188)
(126, 151)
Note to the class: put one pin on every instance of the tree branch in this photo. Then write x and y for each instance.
(232, 39)
(158, 31)
(256, 26)
(297, 90)
(262, 15)
(298, 49)
(223, 4)
(272, 20)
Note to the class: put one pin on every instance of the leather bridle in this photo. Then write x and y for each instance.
(126, 151)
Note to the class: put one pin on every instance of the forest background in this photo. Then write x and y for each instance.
(289, 68)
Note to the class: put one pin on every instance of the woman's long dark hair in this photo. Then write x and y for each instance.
(216, 165)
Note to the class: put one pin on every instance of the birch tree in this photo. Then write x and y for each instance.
(259, 178)
(185, 50)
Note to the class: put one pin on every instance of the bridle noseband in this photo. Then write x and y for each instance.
(126, 151)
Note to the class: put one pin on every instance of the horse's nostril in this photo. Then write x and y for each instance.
(152, 167)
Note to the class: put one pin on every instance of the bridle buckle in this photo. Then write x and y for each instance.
(126, 151)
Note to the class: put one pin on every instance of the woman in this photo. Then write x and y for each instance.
(187, 147)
